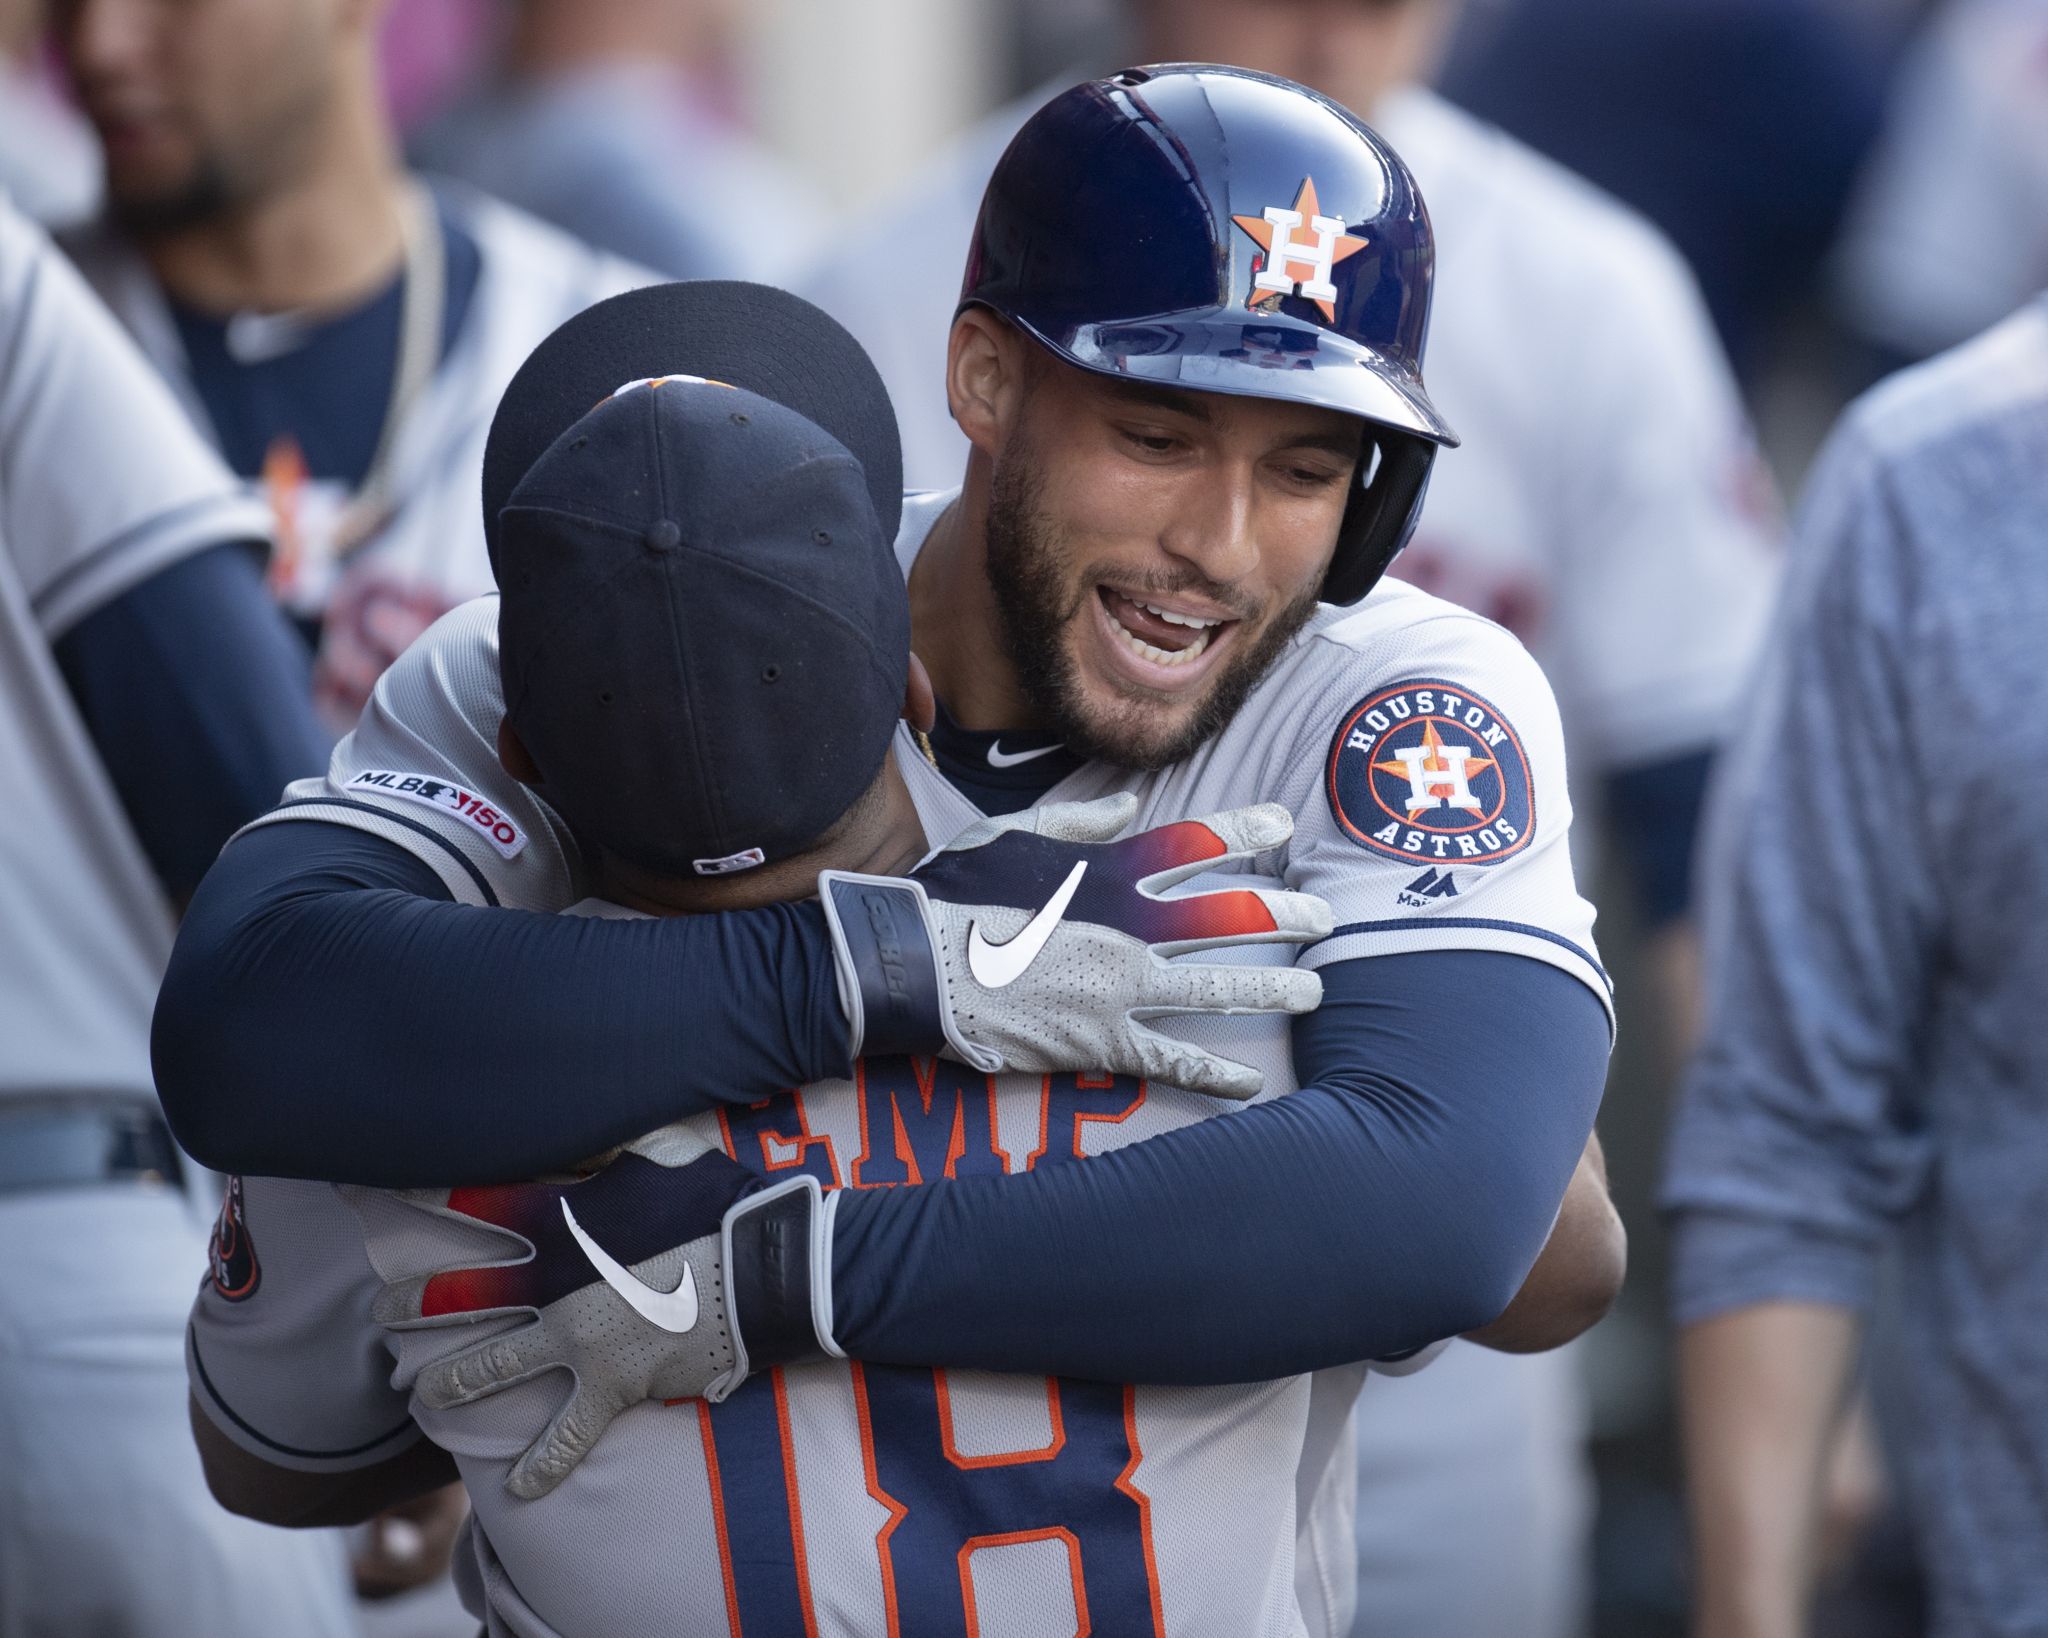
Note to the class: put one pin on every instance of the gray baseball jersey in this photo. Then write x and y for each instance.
(1419, 748)
(102, 484)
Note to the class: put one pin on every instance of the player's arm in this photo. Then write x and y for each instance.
(314, 949)
(197, 694)
(329, 1011)
(1800, 1133)
(291, 1400)
(1401, 1196)
(1577, 1277)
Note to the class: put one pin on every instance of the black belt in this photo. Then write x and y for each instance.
(70, 1140)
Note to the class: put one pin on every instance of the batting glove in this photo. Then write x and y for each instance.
(671, 1273)
(1036, 942)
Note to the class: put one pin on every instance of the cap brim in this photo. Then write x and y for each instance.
(746, 335)
(1256, 356)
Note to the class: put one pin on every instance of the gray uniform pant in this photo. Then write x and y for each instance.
(106, 1525)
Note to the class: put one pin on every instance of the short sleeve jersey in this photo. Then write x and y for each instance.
(1418, 747)
(102, 485)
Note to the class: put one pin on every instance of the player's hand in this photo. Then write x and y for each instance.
(405, 1547)
(671, 1273)
(1037, 942)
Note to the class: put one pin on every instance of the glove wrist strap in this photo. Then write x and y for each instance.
(890, 980)
(778, 1276)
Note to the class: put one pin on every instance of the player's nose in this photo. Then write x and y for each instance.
(101, 41)
(1212, 530)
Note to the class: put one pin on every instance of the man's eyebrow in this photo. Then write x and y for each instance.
(1194, 405)
(1350, 444)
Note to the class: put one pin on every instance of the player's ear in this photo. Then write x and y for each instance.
(514, 757)
(920, 703)
(984, 377)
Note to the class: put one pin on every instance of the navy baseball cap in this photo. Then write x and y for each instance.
(750, 335)
(703, 631)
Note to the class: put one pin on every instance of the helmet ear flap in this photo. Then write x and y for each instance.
(1381, 514)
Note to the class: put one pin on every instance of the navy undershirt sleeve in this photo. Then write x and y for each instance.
(197, 694)
(329, 1013)
(1654, 811)
(1401, 1196)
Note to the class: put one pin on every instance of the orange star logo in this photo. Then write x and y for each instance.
(1435, 762)
(1301, 246)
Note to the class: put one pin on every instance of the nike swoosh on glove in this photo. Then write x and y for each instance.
(609, 1267)
(1036, 941)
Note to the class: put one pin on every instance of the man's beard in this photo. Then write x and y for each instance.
(204, 195)
(1038, 597)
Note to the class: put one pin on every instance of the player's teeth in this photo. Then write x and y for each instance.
(1195, 621)
(1162, 656)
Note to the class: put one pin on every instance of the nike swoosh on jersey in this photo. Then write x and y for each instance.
(674, 1311)
(1000, 758)
(995, 965)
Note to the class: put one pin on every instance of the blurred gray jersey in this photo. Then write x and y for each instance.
(102, 484)
(1419, 748)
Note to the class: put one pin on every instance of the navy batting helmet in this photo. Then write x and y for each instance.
(1232, 232)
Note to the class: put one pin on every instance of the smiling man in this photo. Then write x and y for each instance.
(1188, 363)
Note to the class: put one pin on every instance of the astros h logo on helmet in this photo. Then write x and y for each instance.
(1294, 264)
(1430, 770)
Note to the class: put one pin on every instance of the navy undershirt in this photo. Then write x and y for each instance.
(329, 388)
(1000, 772)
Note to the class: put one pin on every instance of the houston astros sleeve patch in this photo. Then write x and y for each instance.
(1429, 770)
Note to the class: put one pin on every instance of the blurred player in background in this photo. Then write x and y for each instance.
(600, 117)
(1962, 159)
(1607, 506)
(1873, 1067)
(335, 327)
(151, 699)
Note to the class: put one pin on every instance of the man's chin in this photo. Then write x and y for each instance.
(148, 207)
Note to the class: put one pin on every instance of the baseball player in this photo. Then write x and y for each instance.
(1369, 1188)
(150, 696)
(334, 326)
(1605, 505)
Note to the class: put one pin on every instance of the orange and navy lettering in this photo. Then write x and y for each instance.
(1074, 1489)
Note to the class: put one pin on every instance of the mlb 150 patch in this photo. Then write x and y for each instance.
(1429, 770)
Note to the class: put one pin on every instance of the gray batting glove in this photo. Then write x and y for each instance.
(1036, 941)
(672, 1272)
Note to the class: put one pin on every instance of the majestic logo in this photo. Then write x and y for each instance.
(1429, 770)
(1294, 263)
(1000, 758)
(674, 1311)
(231, 1254)
(995, 965)
(1431, 884)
